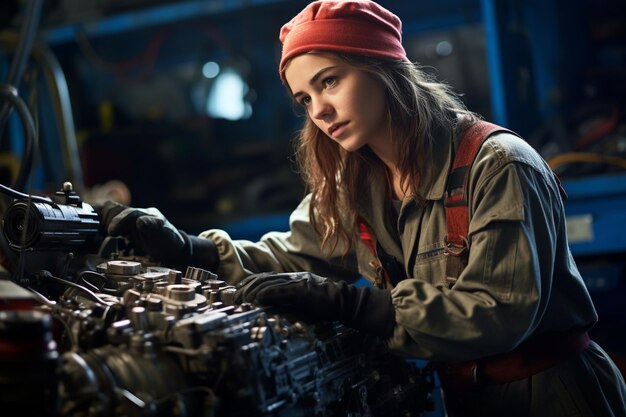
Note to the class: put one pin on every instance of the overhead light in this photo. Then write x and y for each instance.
(211, 69)
(227, 96)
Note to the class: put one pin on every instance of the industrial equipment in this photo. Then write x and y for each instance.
(108, 333)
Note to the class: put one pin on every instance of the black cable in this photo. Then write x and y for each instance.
(59, 316)
(28, 31)
(91, 295)
(26, 167)
(94, 287)
(89, 284)
(10, 93)
(21, 196)
(42, 298)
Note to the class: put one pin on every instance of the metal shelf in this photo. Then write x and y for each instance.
(147, 17)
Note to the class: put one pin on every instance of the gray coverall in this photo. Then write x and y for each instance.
(520, 280)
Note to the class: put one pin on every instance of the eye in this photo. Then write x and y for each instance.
(304, 101)
(329, 82)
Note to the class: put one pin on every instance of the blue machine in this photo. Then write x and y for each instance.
(596, 214)
(596, 220)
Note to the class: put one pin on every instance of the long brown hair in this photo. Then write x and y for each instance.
(417, 104)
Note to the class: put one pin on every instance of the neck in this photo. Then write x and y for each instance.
(386, 151)
(399, 190)
(389, 156)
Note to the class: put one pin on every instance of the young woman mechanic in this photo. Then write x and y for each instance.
(507, 333)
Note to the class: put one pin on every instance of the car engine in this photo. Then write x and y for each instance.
(90, 329)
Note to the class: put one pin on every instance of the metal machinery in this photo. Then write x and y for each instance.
(94, 330)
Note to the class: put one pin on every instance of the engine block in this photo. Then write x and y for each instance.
(136, 340)
(114, 334)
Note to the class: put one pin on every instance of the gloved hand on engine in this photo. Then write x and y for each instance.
(314, 298)
(152, 234)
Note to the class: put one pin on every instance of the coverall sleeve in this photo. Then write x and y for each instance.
(295, 250)
(502, 295)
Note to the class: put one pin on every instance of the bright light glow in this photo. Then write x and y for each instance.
(210, 69)
(227, 97)
(444, 48)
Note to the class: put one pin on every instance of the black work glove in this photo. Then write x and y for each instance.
(314, 298)
(152, 234)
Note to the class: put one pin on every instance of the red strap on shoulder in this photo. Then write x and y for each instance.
(369, 240)
(455, 200)
(367, 237)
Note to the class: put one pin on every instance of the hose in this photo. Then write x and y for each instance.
(9, 93)
(28, 31)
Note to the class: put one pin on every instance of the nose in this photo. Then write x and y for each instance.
(320, 109)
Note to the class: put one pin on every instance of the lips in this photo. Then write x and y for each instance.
(336, 129)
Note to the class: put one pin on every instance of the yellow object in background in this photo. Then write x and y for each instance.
(106, 116)
(11, 164)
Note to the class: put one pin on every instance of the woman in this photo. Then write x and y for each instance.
(507, 331)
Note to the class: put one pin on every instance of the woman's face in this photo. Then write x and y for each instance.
(345, 103)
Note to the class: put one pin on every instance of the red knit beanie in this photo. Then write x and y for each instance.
(359, 27)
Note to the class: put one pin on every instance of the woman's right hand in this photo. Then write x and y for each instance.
(147, 229)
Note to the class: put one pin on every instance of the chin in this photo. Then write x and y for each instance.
(351, 146)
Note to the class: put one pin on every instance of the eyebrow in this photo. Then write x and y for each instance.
(314, 78)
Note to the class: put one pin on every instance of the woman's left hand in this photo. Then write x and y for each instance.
(314, 298)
